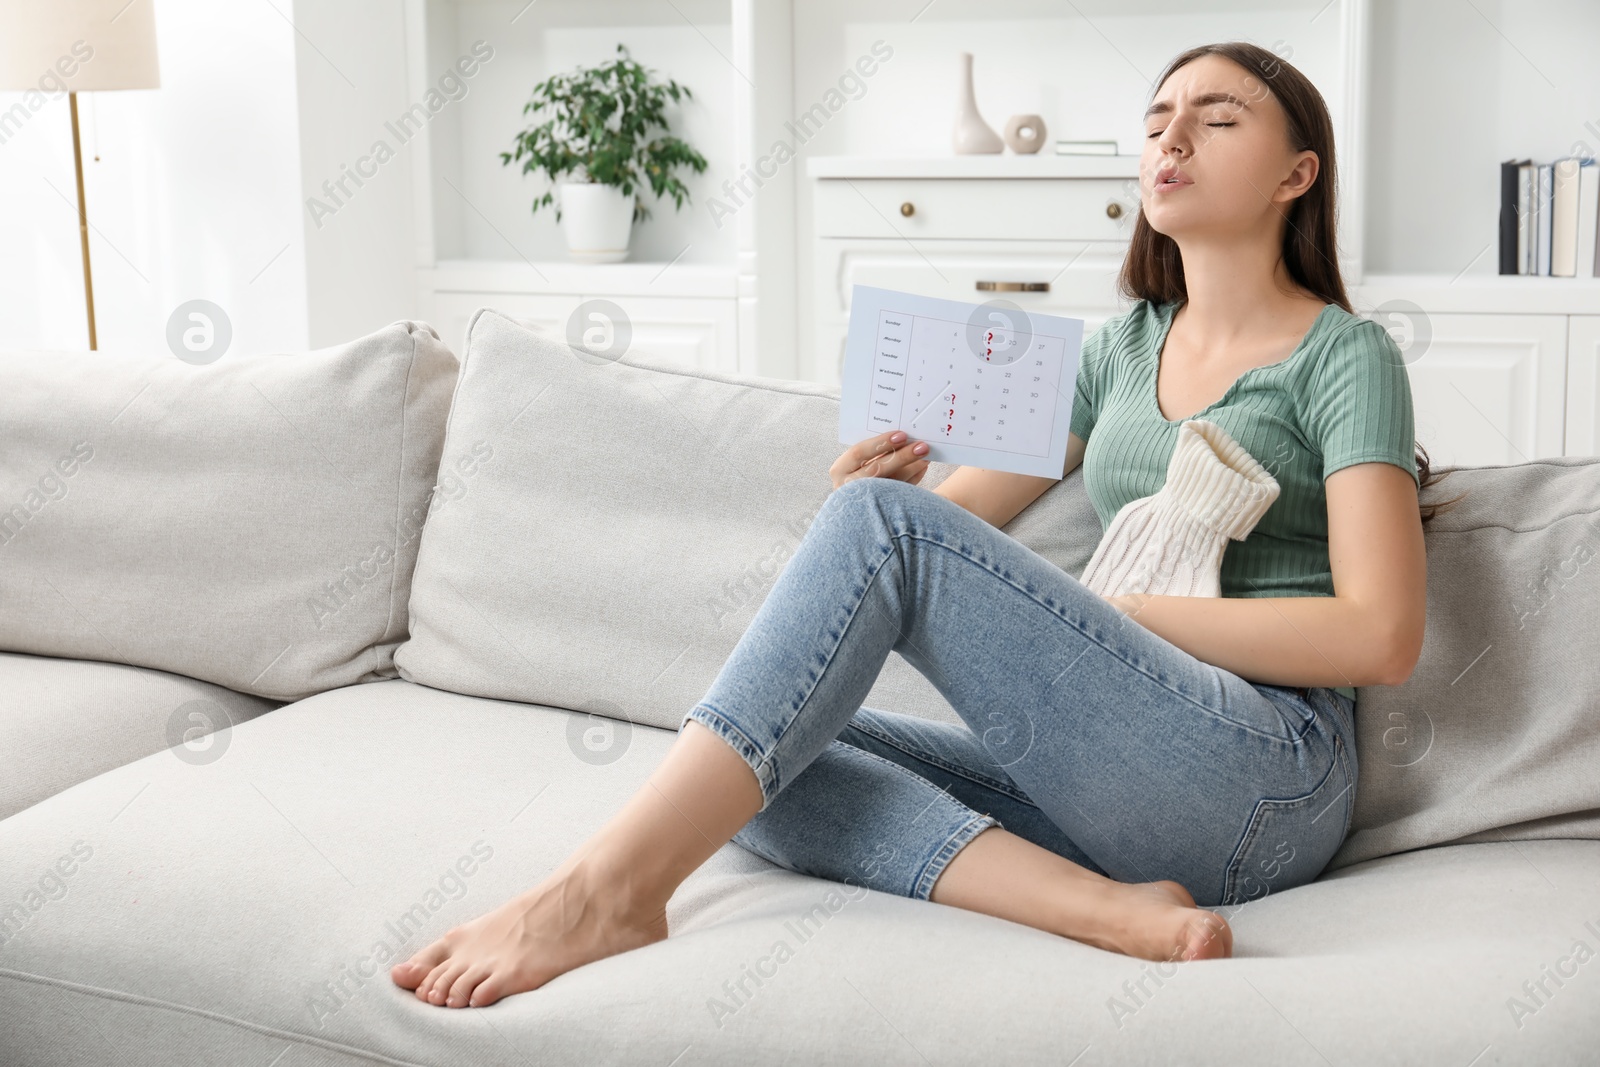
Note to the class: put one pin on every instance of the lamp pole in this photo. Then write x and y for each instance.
(83, 218)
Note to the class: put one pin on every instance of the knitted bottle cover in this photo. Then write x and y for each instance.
(1171, 542)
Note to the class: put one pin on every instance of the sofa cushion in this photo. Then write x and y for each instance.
(250, 522)
(1496, 735)
(66, 720)
(248, 909)
(631, 520)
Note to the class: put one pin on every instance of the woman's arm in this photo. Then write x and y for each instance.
(997, 497)
(1368, 633)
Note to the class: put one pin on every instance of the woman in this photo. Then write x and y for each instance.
(1116, 765)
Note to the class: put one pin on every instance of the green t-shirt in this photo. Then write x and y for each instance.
(1341, 397)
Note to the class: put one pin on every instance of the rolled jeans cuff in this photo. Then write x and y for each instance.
(724, 728)
(941, 859)
(908, 868)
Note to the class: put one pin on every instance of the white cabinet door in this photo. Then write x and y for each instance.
(1583, 385)
(452, 311)
(694, 332)
(700, 333)
(1488, 389)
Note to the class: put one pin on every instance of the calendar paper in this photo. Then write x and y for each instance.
(984, 384)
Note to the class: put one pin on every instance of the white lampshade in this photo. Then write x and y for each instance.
(78, 45)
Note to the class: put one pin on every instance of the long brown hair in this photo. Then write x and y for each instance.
(1153, 269)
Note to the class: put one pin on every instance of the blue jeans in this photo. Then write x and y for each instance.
(1084, 732)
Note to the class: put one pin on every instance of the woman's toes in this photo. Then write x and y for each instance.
(428, 990)
(486, 993)
(461, 989)
(446, 981)
(411, 973)
(1210, 937)
(408, 975)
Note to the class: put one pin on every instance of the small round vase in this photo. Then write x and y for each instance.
(971, 135)
(1025, 134)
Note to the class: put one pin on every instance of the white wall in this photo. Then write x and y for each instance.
(360, 260)
(194, 194)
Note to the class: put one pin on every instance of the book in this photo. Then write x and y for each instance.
(1550, 217)
(985, 385)
(1525, 219)
(1564, 218)
(1588, 256)
(1541, 213)
(1508, 216)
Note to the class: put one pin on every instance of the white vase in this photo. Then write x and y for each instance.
(597, 220)
(971, 135)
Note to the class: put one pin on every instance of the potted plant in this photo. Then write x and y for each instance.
(600, 128)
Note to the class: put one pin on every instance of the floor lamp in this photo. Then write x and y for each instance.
(48, 47)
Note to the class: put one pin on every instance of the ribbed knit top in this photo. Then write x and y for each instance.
(1341, 397)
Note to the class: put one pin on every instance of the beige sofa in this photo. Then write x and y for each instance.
(309, 657)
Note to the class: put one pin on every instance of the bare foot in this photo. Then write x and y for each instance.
(571, 918)
(1159, 921)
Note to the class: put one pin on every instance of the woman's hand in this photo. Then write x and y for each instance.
(890, 454)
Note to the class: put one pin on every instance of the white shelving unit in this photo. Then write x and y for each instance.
(1511, 369)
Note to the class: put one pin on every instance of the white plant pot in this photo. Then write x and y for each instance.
(597, 220)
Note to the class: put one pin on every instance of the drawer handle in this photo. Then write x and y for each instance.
(907, 209)
(1113, 210)
(1014, 287)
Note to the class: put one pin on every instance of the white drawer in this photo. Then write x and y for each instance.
(1036, 209)
(1076, 278)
